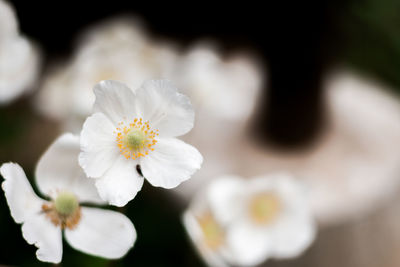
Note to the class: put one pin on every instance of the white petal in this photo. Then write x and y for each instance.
(21, 199)
(172, 162)
(225, 198)
(281, 182)
(98, 145)
(39, 230)
(192, 227)
(115, 100)
(103, 233)
(58, 170)
(120, 183)
(249, 245)
(167, 110)
(292, 237)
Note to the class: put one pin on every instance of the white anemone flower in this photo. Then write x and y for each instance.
(19, 59)
(95, 231)
(131, 135)
(249, 221)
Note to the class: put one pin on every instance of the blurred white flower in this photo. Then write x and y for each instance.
(223, 88)
(131, 135)
(351, 169)
(117, 50)
(95, 231)
(19, 59)
(244, 222)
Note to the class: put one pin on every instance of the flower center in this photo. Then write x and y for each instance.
(64, 211)
(66, 203)
(213, 233)
(264, 208)
(136, 139)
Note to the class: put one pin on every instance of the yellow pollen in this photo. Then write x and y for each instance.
(214, 235)
(64, 211)
(264, 208)
(135, 139)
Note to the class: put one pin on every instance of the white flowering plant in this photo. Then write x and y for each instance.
(66, 190)
(107, 164)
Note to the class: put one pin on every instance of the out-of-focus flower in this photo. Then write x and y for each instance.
(95, 231)
(131, 135)
(206, 233)
(117, 50)
(19, 59)
(225, 88)
(120, 50)
(244, 222)
(351, 169)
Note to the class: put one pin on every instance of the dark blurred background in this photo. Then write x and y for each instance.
(296, 40)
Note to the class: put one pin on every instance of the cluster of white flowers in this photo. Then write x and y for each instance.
(111, 51)
(130, 136)
(19, 59)
(243, 222)
(121, 50)
(59, 177)
(128, 133)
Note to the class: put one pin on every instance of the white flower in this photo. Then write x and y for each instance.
(245, 222)
(131, 135)
(223, 88)
(19, 59)
(117, 49)
(95, 231)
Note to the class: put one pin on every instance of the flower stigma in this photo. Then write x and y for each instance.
(136, 139)
(66, 203)
(264, 208)
(213, 233)
(64, 211)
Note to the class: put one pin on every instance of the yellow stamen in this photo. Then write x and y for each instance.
(214, 235)
(135, 139)
(264, 208)
(64, 211)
